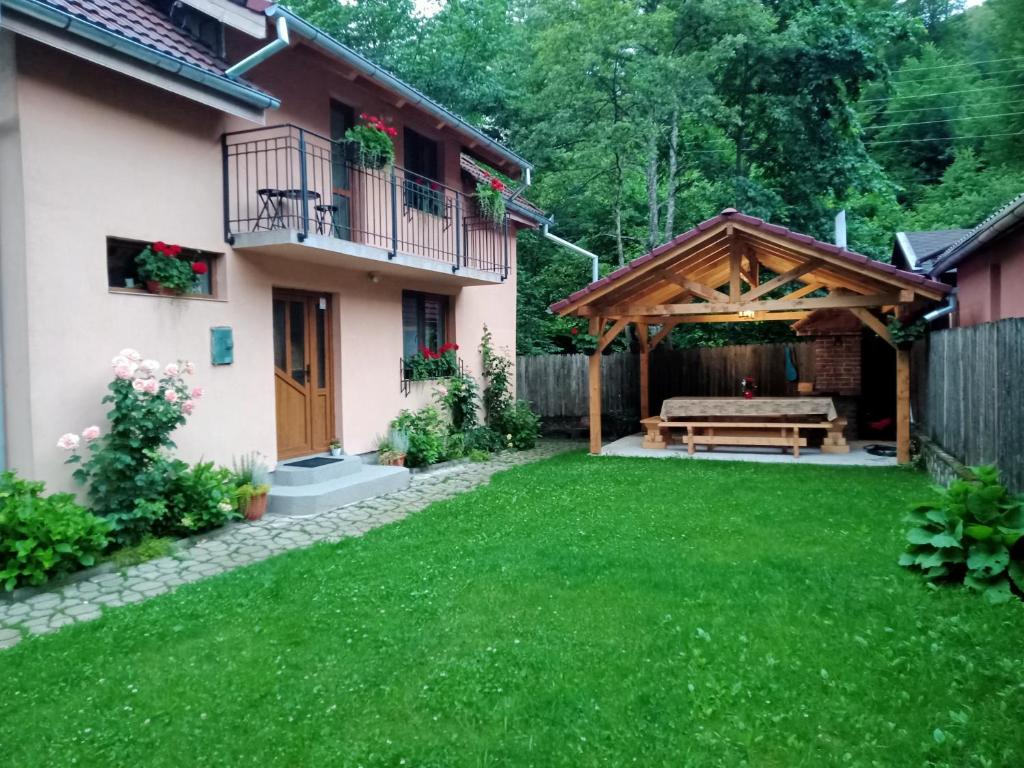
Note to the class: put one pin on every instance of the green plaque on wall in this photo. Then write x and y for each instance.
(222, 345)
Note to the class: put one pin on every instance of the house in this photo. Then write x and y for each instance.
(916, 251)
(988, 262)
(218, 125)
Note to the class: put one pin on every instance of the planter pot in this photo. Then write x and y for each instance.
(398, 461)
(336, 453)
(154, 287)
(256, 507)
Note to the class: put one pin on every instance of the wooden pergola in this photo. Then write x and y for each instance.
(713, 274)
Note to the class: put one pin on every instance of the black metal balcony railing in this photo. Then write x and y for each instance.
(288, 178)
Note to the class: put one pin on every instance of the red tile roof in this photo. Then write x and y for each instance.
(732, 215)
(479, 173)
(139, 21)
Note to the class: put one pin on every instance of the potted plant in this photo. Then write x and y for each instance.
(335, 448)
(251, 475)
(749, 387)
(165, 271)
(372, 140)
(392, 450)
(491, 199)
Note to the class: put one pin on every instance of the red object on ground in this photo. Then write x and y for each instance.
(881, 424)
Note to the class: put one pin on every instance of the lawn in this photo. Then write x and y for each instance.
(576, 612)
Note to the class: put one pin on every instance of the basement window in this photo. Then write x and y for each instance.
(123, 274)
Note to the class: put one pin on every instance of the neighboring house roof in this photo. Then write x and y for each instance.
(1007, 218)
(731, 215)
(520, 205)
(920, 248)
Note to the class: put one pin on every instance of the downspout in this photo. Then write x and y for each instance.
(264, 53)
(594, 272)
(948, 309)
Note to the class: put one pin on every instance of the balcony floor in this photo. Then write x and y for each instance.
(332, 251)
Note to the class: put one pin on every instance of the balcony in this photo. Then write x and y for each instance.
(292, 193)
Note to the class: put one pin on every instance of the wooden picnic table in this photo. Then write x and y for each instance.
(758, 421)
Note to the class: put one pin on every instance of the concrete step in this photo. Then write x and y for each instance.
(311, 470)
(310, 499)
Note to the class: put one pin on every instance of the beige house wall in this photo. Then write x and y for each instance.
(106, 156)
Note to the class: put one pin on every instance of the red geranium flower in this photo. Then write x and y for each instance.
(173, 250)
(496, 185)
(200, 268)
(160, 246)
(435, 186)
(455, 347)
(574, 331)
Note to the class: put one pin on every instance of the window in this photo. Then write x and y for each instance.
(342, 118)
(424, 322)
(422, 171)
(123, 275)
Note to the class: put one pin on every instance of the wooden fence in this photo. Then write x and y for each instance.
(970, 394)
(556, 385)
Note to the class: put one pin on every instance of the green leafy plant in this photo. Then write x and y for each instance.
(250, 469)
(903, 335)
(44, 536)
(129, 471)
(490, 198)
(202, 497)
(150, 548)
(483, 438)
(425, 432)
(165, 265)
(521, 425)
(972, 534)
(373, 140)
(478, 456)
(454, 445)
(460, 396)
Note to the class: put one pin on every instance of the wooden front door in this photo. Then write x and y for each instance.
(303, 381)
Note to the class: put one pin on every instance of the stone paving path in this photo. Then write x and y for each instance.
(245, 543)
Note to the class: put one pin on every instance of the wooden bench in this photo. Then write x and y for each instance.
(781, 434)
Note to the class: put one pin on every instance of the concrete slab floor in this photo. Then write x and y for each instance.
(857, 457)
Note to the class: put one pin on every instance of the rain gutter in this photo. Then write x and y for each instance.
(595, 274)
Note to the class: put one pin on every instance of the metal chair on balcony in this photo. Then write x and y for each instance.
(327, 220)
(271, 207)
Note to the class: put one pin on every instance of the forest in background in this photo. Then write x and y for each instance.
(645, 117)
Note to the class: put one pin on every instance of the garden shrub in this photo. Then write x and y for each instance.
(521, 425)
(128, 470)
(460, 396)
(44, 536)
(454, 445)
(477, 456)
(481, 438)
(972, 534)
(425, 432)
(202, 497)
(150, 548)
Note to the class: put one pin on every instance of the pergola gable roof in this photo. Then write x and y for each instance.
(699, 261)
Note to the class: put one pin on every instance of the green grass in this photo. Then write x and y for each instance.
(576, 612)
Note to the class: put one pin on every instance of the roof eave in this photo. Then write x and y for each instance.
(139, 51)
(985, 233)
(316, 36)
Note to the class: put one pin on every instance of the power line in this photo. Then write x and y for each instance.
(950, 106)
(987, 75)
(943, 138)
(963, 64)
(943, 93)
(947, 120)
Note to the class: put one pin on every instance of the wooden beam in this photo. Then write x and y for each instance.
(867, 317)
(734, 318)
(714, 307)
(781, 280)
(799, 293)
(594, 395)
(755, 267)
(609, 337)
(902, 406)
(666, 329)
(596, 326)
(699, 289)
(645, 370)
(735, 257)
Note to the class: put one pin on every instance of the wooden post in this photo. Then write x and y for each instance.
(595, 403)
(645, 370)
(902, 406)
